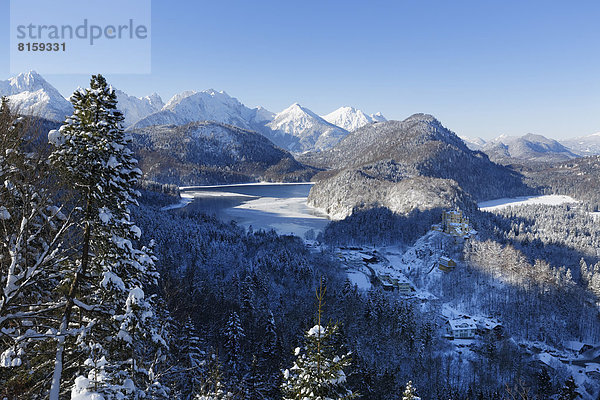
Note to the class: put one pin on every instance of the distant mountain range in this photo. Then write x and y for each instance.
(403, 165)
(296, 128)
(210, 137)
(584, 145)
(136, 108)
(508, 149)
(299, 129)
(530, 147)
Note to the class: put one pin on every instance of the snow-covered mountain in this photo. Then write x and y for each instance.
(299, 129)
(209, 152)
(30, 94)
(136, 108)
(350, 119)
(207, 105)
(473, 143)
(528, 147)
(584, 145)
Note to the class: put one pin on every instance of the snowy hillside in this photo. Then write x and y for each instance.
(299, 129)
(210, 153)
(528, 147)
(31, 94)
(584, 145)
(473, 143)
(351, 119)
(136, 108)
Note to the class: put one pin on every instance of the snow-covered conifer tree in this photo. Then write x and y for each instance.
(191, 361)
(318, 372)
(234, 334)
(269, 358)
(108, 274)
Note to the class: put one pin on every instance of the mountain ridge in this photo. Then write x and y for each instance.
(209, 152)
(386, 157)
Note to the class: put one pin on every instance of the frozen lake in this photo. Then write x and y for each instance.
(279, 206)
(552, 199)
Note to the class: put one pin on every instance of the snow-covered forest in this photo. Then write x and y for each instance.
(107, 296)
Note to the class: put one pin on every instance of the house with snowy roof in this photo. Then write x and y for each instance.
(398, 283)
(446, 264)
(461, 328)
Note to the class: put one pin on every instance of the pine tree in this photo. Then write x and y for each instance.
(108, 275)
(212, 386)
(191, 361)
(569, 391)
(318, 373)
(253, 387)
(544, 383)
(268, 359)
(234, 334)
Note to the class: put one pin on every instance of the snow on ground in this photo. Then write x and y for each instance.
(498, 204)
(186, 198)
(359, 279)
(285, 215)
(293, 207)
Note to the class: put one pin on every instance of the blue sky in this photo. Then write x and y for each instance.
(483, 68)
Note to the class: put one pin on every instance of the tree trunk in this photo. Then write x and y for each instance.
(64, 325)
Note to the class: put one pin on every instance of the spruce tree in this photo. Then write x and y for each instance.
(318, 372)
(234, 334)
(191, 362)
(212, 386)
(569, 390)
(107, 275)
(269, 358)
(544, 383)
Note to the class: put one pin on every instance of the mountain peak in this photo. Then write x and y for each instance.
(299, 129)
(31, 94)
(29, 81)
(350, 119)
(421, 117)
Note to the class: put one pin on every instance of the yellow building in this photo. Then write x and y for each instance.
(446, 264)
(455, 223)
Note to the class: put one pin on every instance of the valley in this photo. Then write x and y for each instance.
(469, 267)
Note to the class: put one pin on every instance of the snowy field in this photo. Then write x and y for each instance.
(551, 200)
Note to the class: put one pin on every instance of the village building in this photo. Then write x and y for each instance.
(446, 264)
(461, 328)
(398, 283)
(492, 327)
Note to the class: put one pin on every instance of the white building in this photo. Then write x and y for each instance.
(461, 328)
